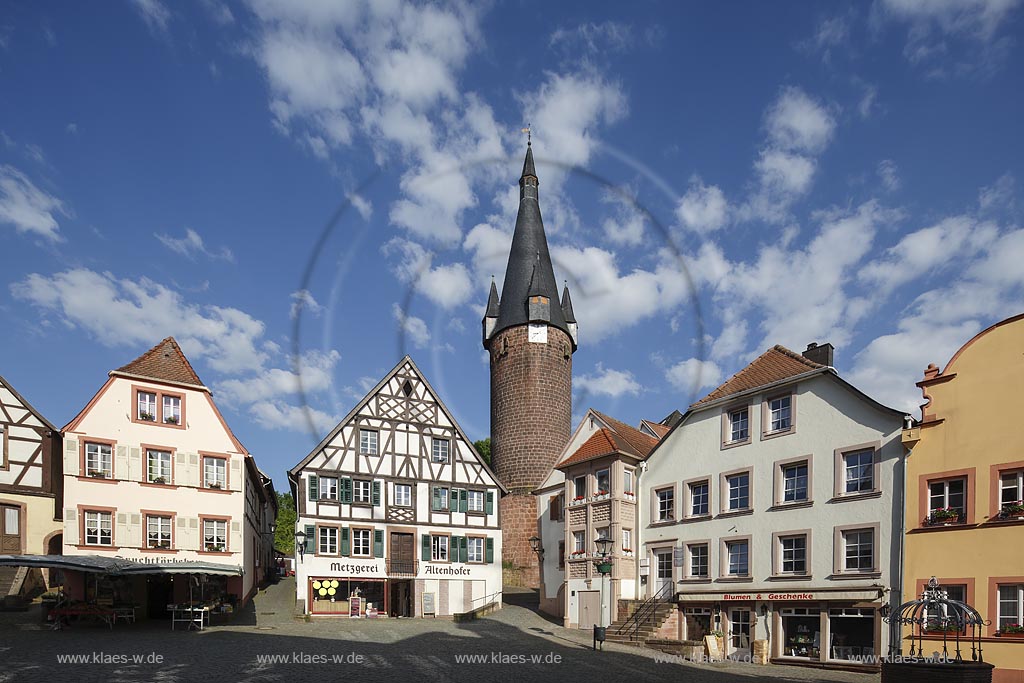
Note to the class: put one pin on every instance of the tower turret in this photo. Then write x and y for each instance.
(531, 338)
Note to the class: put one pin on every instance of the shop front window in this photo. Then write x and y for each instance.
(853, 633)
(801, 632)
(698, 622)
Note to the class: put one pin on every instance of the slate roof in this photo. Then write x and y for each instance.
(529, 269)
(774, 365)
(617, 438)
(166, 362)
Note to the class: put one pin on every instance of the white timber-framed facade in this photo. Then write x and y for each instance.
(397, 509)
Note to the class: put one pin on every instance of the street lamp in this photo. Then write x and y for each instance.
(604, 567)
(300, 543)
(535, 546)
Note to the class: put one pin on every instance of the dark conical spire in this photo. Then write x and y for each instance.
(529, 271)
(492, 301)
(570, 317)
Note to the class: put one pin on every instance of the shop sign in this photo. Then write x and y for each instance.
(350, 569)
(445, 570)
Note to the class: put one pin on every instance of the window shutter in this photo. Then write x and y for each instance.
(426, 547)
(489, 506)
(71, 457)
(346, 489)
(378, 543)
(489, 557)
(346, 548)
(453, 549)
(463, 500)
(121, 462)
(135, 469)
(313, 485)
(71, 520)
(463, 549)
(310, 538)
(376, 493)
(435, 500)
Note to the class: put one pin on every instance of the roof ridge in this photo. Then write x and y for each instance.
(775, 365)
(626, 430)
(151, 366)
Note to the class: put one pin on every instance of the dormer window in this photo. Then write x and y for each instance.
(539, 307)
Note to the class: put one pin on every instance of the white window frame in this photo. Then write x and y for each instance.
(362, 542)
(785, 481)
(152, 405)
(163, 465)
(327, 540)
(99, 457)
(439, 454)
(368, 441)
(1017, 487)
(475, 501)
(784, 413)
(579, 541)
(218, 468)
(171, 409)
(846, 535)
(627, 539)
(730, 488)
(218, 530)
(946, 496)
(474, 549)
(792, 559)
(691, 558)
(403, 495)
(162, 531)
(362, 491)
(729, 546)
(627, 482)
(439, 548)
(661, 504)
(607, 472)
(706, 484)
(327, 488)
(578, 483)
(860, 478)
(96, 522)
(739, 428)
(1017, 601)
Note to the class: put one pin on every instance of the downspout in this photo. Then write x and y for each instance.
(638, 552)
(895, 630)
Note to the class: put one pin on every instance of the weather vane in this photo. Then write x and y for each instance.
(529, 134)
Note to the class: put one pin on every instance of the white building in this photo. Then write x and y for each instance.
(152, 473)
(398, 509)
(771, 512)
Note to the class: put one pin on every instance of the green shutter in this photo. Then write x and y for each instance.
(378, 543)
(463, 500)
(426, 547)
(463, 549)
(453, 549)
(489, 505)
(310, 538)
(489, 556)
(313, 484)
(435, 499)
(376, 493)
(346, 548)
(346, 489)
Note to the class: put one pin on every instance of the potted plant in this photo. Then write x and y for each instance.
(148, 417)
(628, 552)
(1012, 630)
(943, 516)
(158, 480)
(578, 499)
(212, 485)
(98, 474)
(171, 420)
(214, 548)
(1012, 509)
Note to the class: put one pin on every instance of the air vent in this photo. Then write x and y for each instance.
(407, 388)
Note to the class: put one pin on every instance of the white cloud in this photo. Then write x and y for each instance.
(192, 245)
(626, 225)
(448, 286)
(594, 38)
(303, 302)
(314, 374)
(703, 208)
(797, 122)
(889, 175)
(362, 205)
(1000, 195)
(608, 382)
(831, 32)
(153, 13)
(277, 414)
(868, 101)
(27, 208)
(71, 128)
(123, 312)
(412, 328)
(692, 375)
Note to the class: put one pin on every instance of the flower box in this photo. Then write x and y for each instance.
(148, 417)
(944, 516)
(158, 480)
(97, 474)
(1012, 510)
(578, 500)
(214, 548)
(171, 420)
(213, 485)
(602, 495)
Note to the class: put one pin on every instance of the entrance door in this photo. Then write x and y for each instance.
(10, 530)
(402, 557)
(589, 608)
(400, 602)
(159, 594)
(739, 632)
(663, 560)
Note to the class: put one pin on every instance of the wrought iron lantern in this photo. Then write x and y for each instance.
(935, 614)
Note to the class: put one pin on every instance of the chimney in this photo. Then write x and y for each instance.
(822, 354)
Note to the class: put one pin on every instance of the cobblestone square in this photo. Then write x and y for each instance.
(266, 644)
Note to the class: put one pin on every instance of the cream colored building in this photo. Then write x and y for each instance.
(153, 473)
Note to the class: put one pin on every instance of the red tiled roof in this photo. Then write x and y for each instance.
(658, 428)
(166, 362)
(618, 437)
(774, 365)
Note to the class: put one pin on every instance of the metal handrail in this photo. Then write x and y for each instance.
(646, 611)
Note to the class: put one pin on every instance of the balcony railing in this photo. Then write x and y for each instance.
(401, 567)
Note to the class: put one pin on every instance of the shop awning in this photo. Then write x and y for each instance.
(117, 565)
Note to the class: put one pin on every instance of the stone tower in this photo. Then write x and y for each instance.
(531, 337)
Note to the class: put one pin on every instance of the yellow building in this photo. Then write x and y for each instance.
(964, 486)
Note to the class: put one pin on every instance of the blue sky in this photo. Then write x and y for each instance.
(819, 172)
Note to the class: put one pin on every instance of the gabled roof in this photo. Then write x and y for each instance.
(774, 365)
(26, 404)
(294, 472)
(164, 362)
(616, 438)
(659, 429)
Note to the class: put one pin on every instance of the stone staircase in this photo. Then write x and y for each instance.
(11, 581)
(647, 630)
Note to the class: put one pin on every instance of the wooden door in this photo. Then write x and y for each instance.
(10, 530)
(589, 609)
(402, 555)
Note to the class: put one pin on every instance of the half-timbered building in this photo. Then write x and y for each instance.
(30, 484)
(398, 511)
(153, 473)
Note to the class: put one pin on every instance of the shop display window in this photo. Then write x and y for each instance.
(853, 633)
(801, 632)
